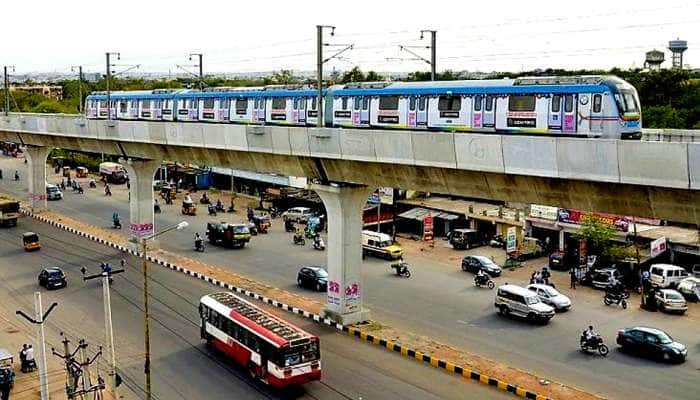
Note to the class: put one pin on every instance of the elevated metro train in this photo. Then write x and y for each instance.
(583, 106)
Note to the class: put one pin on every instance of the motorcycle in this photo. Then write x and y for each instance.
(199, 245)
(401, 269)
(92, 184)
(156, 208)
(616, 298)
(593, 344)
(204, 200)
(289, 226)
(498, 241)
(319, 244)
(116, 224)
(299, 239)
(211, 209)
(220, 207)
(483, 280)
(275, 212)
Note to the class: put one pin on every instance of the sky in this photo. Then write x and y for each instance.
(268, 35)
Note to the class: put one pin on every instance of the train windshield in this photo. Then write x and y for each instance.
(626, 101)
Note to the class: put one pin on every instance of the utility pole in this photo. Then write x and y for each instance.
(319, 71)
(39, 319)
(80, 85)
(7, 88)
(106, 276)
(201, 69)
(108, 77)
(433, 59)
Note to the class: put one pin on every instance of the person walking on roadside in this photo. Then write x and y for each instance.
(572, 274)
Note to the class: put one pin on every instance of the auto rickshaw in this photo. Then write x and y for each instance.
(30, 240)
(81, 172)
(7, 369)
(262, 223)
(66, 172)
(165, 190)
(189, 209)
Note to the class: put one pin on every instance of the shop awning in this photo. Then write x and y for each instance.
(419, 213)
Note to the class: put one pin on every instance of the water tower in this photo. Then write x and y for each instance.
(653, 59)
(677, 47)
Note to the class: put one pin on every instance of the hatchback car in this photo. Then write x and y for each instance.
(690, 288)
(669, 300)
(52, 278)
(53, 192)
(313, 277)
(601, 278)
(651, 342)
(551, 296)
(476, 263)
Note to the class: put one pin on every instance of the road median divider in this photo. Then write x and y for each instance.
(456, 361)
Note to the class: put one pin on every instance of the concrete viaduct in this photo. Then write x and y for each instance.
(648, 179)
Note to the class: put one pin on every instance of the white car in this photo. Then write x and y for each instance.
(297, 214)
(690, 288)
(53, 192)
(669, 300)
(551, 296)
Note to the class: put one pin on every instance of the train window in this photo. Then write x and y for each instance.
(302, 104)
(421, 104)
(313, 103)
(521, 102)
(223, 103)
(122, 107)
(103, 104)
(344, 103)
(166, 104)
(412, 104)
(449, 103)
(145, 104)
(556, 103)
(279, 103)
(597, 103)
(242, 105)
(356, 102)
(365, 103)
(489, 103)
(208, 103)
(477, 103)
(388, 102)
(630, 101)
(568, 103)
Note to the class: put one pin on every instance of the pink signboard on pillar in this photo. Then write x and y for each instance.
(141, 230)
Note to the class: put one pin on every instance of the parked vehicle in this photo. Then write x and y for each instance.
(498, 241)
(518, 301)
(690, 288)
(601, 278)
(228, 235)
(551, 296)
(30, 241)
(313, 277)
(558, 261)
(297, 214)
(528, 247)
(666, 275)
(7, 369)
(380, 245)
(9, 212)
(476, 263)
(696, 270)
(461, 239)
(593, 344)
(112, 172)
(52, 278)
(53, 192)
(669, 300)
(651, 342)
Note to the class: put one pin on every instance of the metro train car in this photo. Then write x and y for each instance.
(580, 106)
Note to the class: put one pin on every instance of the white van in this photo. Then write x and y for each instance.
(516, 300)
(666, 275)
(53, 192)
(380, 245)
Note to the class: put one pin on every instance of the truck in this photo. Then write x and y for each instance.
(528, 247)
(112, 172)
(9, 212)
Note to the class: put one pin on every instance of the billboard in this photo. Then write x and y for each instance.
(384, 195)
(573, 216)
(511, 240)
(543, 212)
(658, 246)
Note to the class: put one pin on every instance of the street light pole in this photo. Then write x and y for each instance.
(7, 88)
(319, 71)
(39, 319)
(108, 77)
(433, 52)
(201, 69)
(80, 86)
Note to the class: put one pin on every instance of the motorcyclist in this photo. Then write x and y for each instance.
(16, 175)
(92, 183)
(108, 190)
(298, 235)
(205, 198)
(187, 202)
(400, 265)
(589, 334)
(481, 276)
(219, 205)
(115, 220)
(197, 241)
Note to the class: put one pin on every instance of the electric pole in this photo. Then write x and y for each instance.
(80, 85)
(319, 71)
(201, 69)
(433, 59)
(7, 88)
(108, 77)
(38, 320)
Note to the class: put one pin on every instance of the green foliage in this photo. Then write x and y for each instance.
(663, 117)
(356, 75)
(599, 236)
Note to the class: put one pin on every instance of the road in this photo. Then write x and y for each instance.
(183, 368)
(445, 305)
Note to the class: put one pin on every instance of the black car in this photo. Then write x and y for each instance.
(651, 342)
(476, 263)
(461, 239)
(52, 278)
(313, 277)
(558, 260)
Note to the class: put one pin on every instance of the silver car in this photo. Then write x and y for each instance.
(551, 296)
(669, 300)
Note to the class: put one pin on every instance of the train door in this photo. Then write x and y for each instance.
(422, 113)
(301, 118)
(555, 113)
(478, 113)
(356, 112)
(597, 114)
(259, 110)
(489, 119)
(295, 110)
(364, 113)
(412, 112)
(569, 118)
(224, 108)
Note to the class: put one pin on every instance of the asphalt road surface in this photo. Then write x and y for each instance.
(183, 367)
(442, 303)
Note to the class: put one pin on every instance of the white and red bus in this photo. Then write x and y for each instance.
(275, 351)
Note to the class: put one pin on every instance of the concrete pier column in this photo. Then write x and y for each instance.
(36, 176)
(561, 240)
(344, 251)
(141, 216)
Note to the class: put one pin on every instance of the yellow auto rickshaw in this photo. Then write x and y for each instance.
(30, 241)
(81, 172)
(66, 172)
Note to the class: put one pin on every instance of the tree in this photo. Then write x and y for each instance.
(599, 239)
(373, 77)
(283, 77)
(354, 75)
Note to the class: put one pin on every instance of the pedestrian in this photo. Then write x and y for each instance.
(16, 175)
(5, 391)
(0, 174)
(532, 277)
(538, 277)
(572, 274)
(23, 358)
(546, 275)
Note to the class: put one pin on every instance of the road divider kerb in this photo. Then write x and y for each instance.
(349, 330)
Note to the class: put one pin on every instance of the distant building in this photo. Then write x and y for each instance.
(52, 92)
